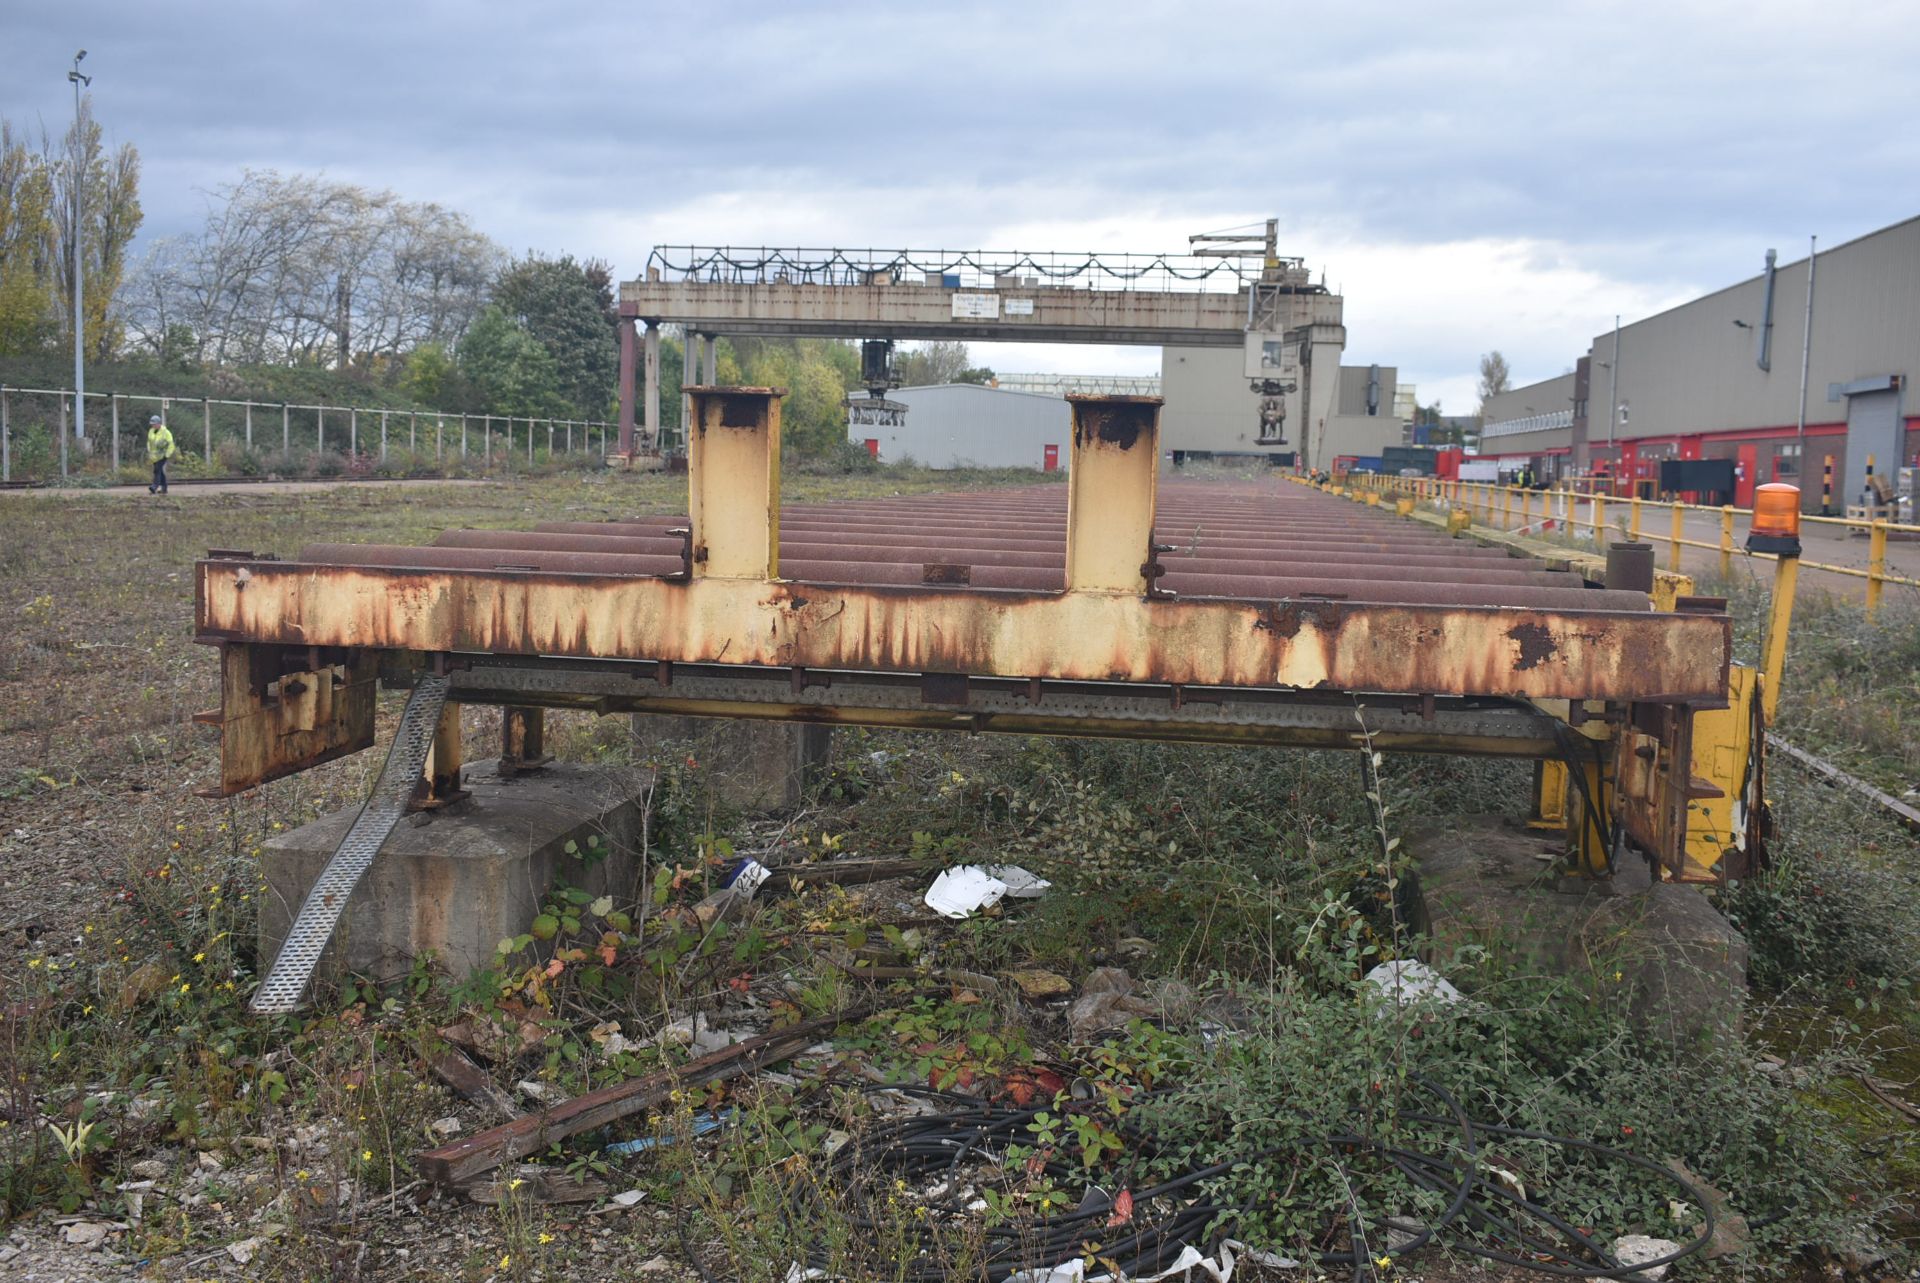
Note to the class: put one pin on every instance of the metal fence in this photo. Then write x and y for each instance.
(358, 432)
(1522, 510)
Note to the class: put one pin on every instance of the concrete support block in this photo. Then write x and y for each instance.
(754, 765)
(1486, 882)
(457, 880)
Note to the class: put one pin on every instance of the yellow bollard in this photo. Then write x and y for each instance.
(1633, 531)
(1403, 506)
(1506, 508)
(1459, 521)
(1599, 516)
(1876, 565)
(1726, 543)
(1775, 528)
(1679, 529)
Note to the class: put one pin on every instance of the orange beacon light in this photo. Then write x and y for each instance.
(1776, 520)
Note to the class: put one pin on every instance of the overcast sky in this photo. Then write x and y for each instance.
(1472, 175)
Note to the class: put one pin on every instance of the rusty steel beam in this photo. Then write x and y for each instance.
(1087, 710)
(285, 709)
(1462, 650)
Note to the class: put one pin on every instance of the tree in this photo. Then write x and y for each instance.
(110, 215)
(508, 370)
(942, 361)
(564, 305)
(817, 373)
(27, 310)
(428, 375)
(299, 269)
(1494, 378)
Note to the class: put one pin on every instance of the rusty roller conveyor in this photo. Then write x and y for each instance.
(1254, 542)
(1122, 602)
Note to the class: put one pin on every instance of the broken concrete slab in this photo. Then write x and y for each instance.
(1489, 882)
(457, 880)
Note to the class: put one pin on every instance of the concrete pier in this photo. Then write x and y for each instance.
(757, 766)
(457, 880)
(1488, 882)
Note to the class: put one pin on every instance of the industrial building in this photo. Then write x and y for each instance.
(1211, 411)
(969, 425)
(1732, 376)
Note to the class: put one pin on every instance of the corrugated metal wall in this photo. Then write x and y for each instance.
(1692, 369)
(959, 425)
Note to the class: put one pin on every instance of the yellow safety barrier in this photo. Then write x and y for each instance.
(1493, 505)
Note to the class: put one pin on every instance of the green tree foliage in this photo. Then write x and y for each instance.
(429, 375)
(27, 313)
(508, 370)
(817, 373)
(109, 216)
(565, 306)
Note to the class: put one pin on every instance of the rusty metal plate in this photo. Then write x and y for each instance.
(1449, 650)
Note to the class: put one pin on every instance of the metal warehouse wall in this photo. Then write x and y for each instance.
(1210, 407)
(1548, 396)
(1692, 369)
(958, 425)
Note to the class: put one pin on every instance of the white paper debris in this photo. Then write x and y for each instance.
(629, 1198)
(1410, 982)
(964, 890)
(540, 1093)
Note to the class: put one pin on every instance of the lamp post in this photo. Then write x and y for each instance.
(79, 178)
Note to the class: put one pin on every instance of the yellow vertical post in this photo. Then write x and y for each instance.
(1786, 576)
(1526, 509)
(1633, 528)
(733, 482)
(1726, 542)
(1876, 565)
(1599, 516)
(439, 782)
(1679, 528)
(1506, 508)
(1590, 843)
(1549, 794)
(1111, 490)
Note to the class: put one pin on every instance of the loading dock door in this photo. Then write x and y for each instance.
(1744, 475)
(1873, 428)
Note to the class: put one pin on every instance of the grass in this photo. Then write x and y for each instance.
(1244, 890)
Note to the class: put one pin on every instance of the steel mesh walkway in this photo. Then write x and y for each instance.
(286, 983)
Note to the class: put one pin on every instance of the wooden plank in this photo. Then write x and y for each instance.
(460, 1161)
(455, 1068)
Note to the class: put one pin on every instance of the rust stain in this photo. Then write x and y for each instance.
(915, 629)
(1536, 645)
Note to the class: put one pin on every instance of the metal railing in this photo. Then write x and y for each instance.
(356, 431)
(970, 269)
(1519, 509)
